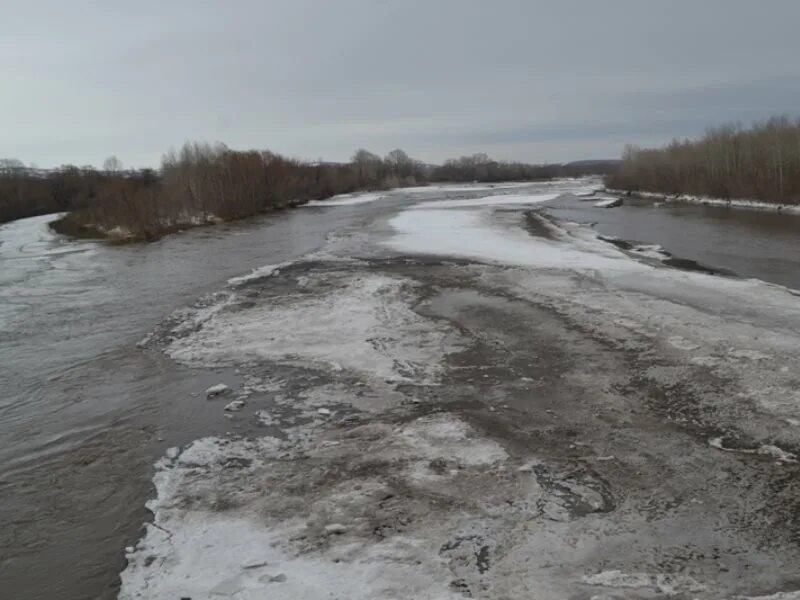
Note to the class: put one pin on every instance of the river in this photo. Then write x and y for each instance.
(85, 412)
(752, 243)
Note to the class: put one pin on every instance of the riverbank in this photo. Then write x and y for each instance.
(451, 403)
(708, 201)
(78, 225)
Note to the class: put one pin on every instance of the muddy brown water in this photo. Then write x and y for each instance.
(84, 413)
(761, 244)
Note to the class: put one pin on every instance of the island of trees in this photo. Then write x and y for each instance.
(202, 183)
(761, 162)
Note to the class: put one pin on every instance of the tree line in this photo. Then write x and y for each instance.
(200, 183)
(28, 191)
(761, 162)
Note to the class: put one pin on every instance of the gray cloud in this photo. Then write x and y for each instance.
(536, 81)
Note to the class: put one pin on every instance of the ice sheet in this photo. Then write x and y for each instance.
(473, 234)
(498, 200)
(362, 324)
(347, 199)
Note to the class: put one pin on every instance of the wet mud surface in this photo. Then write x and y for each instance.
(548, 459)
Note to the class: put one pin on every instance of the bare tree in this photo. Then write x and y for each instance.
(761, 162)
(11, 165)
(112, 164)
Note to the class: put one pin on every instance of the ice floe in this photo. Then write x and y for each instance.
(460, 188)
(496, 200)
(764, 450)
(227, 521)
(474, 234)
(668, 584)
(361, 323)
(257, 273)
(347, 199)
(710, 201)
(609, 203)
(219, 389)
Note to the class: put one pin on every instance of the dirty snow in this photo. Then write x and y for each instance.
(793, 595)
(668, 584)
(366, 326)
(710, 201)
(764, 450)
(266, 544)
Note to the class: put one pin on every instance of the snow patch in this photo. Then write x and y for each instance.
(764, 450)
(681, 343)
(710, 201)
(753, 355)
(227, 520)
(498, 200)
(440, 435)
(217, 390)
(347, 200)
(793, 595)
(610, 203)
(650, 251)
(258, 273)
(455, 188)
(669, 584)
(473, 234)
(364, 324)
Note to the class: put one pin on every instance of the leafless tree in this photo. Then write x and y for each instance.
(761, 162)
(112, 164)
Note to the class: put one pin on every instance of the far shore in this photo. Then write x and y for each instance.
(707, 201)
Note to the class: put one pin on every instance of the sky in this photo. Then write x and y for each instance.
(529, 80)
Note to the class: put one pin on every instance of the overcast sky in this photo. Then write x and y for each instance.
(546, 80)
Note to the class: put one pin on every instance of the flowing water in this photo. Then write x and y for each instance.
(762, 244)
(84, 412)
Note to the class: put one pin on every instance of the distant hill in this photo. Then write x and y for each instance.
(600, 162)
(603, 166)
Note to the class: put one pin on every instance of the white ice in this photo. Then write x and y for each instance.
(608, 203)
(257, 273)
(347, 199)
(708, 200)
(456, 188)
(217, 390)
(473, 234)
(365, 325)
(667, 584)
(498, 200)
